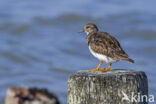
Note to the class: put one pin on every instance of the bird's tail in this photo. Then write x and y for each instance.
(130, 60)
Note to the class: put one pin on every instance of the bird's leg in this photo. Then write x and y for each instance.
(97, 69)
(106, 69)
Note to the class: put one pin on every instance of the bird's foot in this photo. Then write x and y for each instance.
(94, 70)
(105, 69)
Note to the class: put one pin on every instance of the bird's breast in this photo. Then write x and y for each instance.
(102, 56)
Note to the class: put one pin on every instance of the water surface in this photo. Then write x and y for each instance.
(40, 45)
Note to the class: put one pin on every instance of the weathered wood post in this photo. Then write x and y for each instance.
(113, 87)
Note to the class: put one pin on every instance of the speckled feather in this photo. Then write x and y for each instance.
(105, 44)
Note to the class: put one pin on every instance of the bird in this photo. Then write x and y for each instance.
(104, 47)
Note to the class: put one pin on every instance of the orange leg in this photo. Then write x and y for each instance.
(106, 69)
(97, 69)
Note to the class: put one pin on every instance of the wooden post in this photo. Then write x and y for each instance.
(113, 87)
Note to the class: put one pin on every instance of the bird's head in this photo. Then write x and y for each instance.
(89, 28)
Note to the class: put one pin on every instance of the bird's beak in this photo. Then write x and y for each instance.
(82, 31)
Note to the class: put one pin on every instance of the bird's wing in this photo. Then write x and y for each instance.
(102, 42)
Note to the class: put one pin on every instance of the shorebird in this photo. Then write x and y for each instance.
(104, 47)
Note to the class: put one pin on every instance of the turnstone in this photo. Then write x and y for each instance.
(104, 47)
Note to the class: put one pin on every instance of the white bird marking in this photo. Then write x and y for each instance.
(102, 57)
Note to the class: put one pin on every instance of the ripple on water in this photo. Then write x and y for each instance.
(13, 57)
(65, 19)
(5, 26)
(61, 70)
(18, 30)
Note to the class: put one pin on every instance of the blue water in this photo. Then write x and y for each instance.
(40, 45)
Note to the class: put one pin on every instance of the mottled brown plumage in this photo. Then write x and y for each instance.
(104, 47)
(103, 43)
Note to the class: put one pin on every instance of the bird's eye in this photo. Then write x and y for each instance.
(87, 27)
